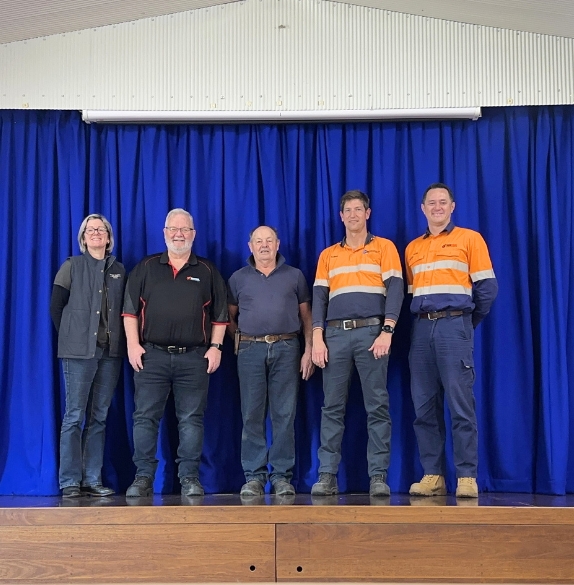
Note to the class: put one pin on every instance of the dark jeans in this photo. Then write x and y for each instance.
(186, 375)
(442, 364)
(269, 376)
(90, 386)
(346, 348)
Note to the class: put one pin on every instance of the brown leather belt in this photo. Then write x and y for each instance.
(268, 338)
(347, 324)
(440, 315)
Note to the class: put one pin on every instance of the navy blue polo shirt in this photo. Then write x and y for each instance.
(176, 307)
(268, 305)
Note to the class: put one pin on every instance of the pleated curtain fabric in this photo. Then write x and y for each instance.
(512, 172)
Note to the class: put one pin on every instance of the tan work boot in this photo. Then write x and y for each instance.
(467, 488)
(429, 485)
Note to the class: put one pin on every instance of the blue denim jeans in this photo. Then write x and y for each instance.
(346, 348)
(442, 365)
(90, 386)
(184, 374)
(269, 378)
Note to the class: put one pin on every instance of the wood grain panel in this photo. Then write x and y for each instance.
(387, 552)
(171, 544)
(160, 553)
(143, 515)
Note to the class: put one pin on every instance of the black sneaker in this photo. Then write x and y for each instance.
(281, 487)
(72, 491)
(326, 486)
(190, 486)
(252, 488)
(97, 490)
(142, 487)
(379, 487)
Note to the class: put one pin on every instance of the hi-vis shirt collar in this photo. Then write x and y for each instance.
(447, 229)
(368, 240)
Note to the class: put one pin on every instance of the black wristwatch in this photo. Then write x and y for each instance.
(218, 346)
(388, 329)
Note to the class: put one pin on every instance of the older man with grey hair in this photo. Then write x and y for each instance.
(269, 302)
(175, 315)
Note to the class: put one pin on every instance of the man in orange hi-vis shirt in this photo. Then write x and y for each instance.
(450, 276)
(357, 298)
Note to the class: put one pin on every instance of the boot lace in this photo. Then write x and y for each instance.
(429, 479)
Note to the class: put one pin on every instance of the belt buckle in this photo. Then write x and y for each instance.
(176, 349)
(432, 318)
(351, 324)
(270, 338)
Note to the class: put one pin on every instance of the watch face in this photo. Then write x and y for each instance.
(388, 329)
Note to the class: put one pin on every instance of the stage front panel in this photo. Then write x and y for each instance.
(161, 553)
(425, 552)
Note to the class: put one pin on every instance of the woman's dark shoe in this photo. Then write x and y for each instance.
(72, 491)
(97, 490)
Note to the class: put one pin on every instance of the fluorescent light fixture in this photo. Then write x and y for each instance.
(254, 117)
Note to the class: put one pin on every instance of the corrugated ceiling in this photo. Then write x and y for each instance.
(27, 19)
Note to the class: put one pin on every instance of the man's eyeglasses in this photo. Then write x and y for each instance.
(174, 230)
(99, 230)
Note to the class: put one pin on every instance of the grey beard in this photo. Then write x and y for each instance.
(179, 251)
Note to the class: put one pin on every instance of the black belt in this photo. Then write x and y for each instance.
(440, 315)
(347, 324)
(268, 338)
(172, 348)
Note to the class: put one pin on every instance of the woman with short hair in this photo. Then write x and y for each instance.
(86, 310)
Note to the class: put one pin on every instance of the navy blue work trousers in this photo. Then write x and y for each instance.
(442, 366)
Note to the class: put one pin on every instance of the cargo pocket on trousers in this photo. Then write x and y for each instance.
(468, 374)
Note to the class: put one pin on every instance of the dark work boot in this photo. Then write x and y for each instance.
(326, 486)
(141, 487)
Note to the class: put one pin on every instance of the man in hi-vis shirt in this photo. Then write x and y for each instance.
(357, 298)
(450, 276)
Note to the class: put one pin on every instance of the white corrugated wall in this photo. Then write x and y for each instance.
(282, 55)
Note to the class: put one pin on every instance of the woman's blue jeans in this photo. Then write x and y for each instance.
(90, 385)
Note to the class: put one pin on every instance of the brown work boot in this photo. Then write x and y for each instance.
(467, 488)
(429, 485)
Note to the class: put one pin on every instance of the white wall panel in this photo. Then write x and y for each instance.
(286, 55)
(552, 17)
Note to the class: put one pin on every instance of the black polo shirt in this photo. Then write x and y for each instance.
(176, 307)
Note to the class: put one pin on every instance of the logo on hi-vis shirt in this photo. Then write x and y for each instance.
(193, 278)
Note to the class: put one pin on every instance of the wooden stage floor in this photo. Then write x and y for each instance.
(499, 538)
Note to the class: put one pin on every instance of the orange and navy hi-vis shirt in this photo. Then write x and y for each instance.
(451, 271)
(357, 284)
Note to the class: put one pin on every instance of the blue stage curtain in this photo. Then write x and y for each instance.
(512, 173)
